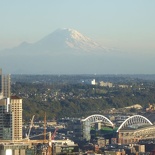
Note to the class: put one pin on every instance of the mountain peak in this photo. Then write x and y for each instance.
(72, 33)
(62, 40)
(71, 39)
(69, 33)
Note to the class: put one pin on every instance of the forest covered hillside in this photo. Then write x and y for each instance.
(80, 99)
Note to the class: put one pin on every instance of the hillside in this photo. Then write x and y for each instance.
(76, 100)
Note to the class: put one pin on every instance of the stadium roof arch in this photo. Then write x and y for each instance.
(136, 119)
(96, 118)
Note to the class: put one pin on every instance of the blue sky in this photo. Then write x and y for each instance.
(124, 24)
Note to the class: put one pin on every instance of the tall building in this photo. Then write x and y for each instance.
(10, 111)
(1, 83)
(16, 108)
(5, 120)
(5, 85)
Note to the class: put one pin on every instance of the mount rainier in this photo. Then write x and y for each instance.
(66, 51)
(63, 40)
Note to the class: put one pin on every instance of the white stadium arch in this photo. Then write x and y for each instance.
(136, 119)
(96, 118)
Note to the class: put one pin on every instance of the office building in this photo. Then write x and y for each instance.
(16, 108)
(5, 85)
(10, 111)
(5, 120)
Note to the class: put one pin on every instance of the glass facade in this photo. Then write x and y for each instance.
(5, 121)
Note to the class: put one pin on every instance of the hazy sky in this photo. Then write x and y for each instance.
(126, 24)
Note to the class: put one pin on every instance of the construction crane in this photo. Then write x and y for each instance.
(45, 126)
(54, 133)
(31, 124)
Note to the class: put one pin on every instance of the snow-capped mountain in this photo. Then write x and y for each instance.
(68, 39)
(63, 40)
(66, 51)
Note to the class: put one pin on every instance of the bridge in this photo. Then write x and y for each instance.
(131, 130)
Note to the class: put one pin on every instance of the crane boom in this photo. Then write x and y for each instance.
(45, 126)
(31, 124)
(53, 135)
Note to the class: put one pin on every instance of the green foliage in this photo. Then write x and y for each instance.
(78, 100)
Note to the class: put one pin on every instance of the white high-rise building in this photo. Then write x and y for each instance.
(16, 108)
